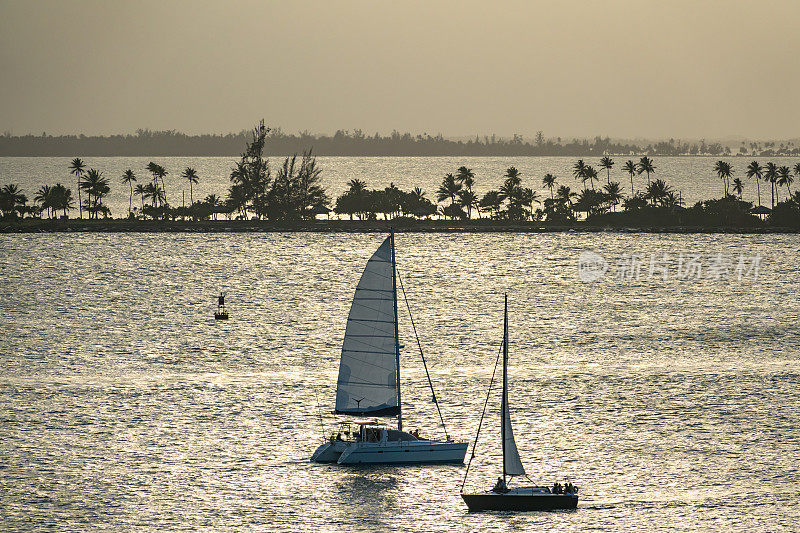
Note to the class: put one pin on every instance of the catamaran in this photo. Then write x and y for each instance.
(501, 497)
(369, 379)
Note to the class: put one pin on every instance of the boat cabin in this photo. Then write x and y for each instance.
(371, 432)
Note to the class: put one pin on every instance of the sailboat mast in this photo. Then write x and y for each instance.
(503, 406)
(396, 336)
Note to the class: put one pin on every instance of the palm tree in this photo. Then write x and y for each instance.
(797, 170)
(158, 172)
(613, 193)
(356, 186)
(468, 200)
(76, 168)
(785, 178)
(658, 191)
(141, 191)
(738, 187)
(527, 197)
(129, 177)
(12, 200)
(511, 190)
(549, 181)
(153, 168)
(448, 189)
(191, 177)
(724, 171)
(213, 202)
(589, 173)
(564, 195)
(771, 175)
(754, 170)
(44, 196)
(630, 168)
(357, 191)
(96, 186)
(579, 170)
(491, 202)
(466, 177)
(62, 199)
(645, 165)
(162, 172)
(607, 163)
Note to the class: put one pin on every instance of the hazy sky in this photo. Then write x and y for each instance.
(620, 68)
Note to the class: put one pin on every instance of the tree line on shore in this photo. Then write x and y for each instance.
(358, 143)
(295, 193)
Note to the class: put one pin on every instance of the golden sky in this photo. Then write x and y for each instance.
(570, 68)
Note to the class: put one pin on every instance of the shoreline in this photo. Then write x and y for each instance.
(354, 226)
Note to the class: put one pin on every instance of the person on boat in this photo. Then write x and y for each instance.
(415, 433)
(339, 437)
(500, 487)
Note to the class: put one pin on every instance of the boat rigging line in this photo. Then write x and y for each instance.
(319, 413)
(480, 423)
(422, 355)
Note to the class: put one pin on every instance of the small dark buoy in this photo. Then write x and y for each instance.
(222, 313)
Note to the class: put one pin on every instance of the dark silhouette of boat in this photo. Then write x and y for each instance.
(222, 313)
(502, 498)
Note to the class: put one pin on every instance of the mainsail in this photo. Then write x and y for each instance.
(367, 383)
(512, 465)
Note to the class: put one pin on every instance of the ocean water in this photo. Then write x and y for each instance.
(672, 400)
(691, 177)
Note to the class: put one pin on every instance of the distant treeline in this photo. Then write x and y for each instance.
(146, 143)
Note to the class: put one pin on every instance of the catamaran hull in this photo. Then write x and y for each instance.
(404, 452)
(329, 452)
(519, 502)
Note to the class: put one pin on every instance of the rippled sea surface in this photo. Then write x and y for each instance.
(674, 404)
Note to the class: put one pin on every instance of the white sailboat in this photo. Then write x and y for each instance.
(525, 498)
(369, 380)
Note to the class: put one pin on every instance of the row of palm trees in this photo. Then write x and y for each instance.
(771, 173)
(96, 187)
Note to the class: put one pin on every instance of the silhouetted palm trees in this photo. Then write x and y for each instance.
(613, 193)
(448, 189)
(754, 170)
(96, 187)
(785, 178)
(724, 171)
(771, 176)
(12, 200)
(468, 200)
(658, 191)
(191, 176)
(607, 163)
(141, 191)
(467, 197)
(158, 172)
(738, 187)
(645, 165)
(579, 170)
(77, 167)
(590, 174)
(44, 196)
(549, 181)
(630, 168)
(491, 202)
(129, 177)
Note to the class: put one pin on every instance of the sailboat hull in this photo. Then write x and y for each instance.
(404, 452)
(490, 501)
(329, 452)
